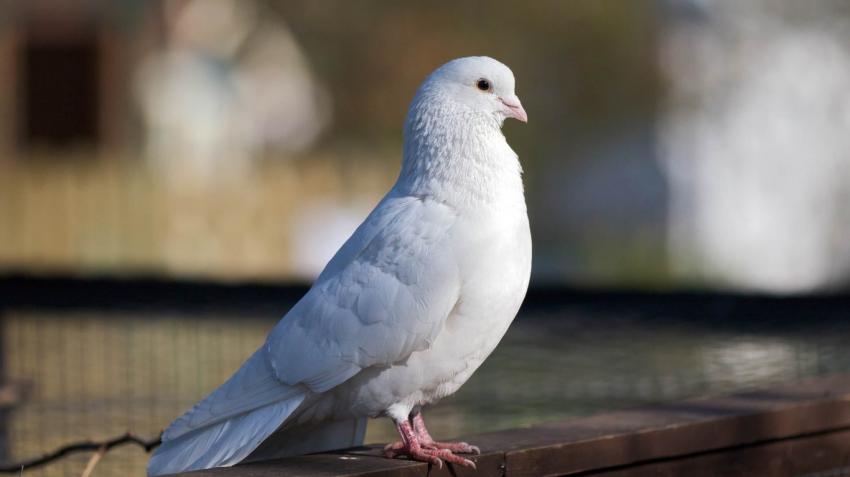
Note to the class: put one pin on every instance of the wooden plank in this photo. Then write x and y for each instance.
(791, 423)
(822, 455)
(341, 465)
(361, 462)
(683, 428)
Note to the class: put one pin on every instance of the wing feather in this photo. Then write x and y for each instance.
(384, 295)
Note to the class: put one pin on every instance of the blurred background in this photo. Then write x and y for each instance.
(192, 151)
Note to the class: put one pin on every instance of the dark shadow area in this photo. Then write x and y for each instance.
(148, 293)
(59, 113)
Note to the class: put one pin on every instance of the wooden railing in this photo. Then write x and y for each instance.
(800, 429)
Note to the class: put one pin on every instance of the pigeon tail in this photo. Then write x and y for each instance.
(222, 444)
(226, 426)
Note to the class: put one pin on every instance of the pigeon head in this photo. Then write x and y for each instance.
(453, 144)
(472, 86)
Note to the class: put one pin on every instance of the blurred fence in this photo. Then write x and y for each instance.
(96, 375)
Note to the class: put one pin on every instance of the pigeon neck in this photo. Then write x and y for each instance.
(458, 156)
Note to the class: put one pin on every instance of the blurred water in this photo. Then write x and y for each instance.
(99, 374)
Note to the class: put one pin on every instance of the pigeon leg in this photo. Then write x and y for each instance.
(411, 447)
(427, 441)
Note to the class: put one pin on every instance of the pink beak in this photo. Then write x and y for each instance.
(513, 108)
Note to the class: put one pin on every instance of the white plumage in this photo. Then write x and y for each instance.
(405, 311)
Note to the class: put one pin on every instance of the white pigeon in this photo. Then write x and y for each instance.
(406, 310)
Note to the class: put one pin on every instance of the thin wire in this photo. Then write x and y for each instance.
(82, 446)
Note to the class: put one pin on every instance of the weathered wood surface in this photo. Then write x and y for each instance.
(795, 429)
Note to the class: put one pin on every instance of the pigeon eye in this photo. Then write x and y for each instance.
(484, 85)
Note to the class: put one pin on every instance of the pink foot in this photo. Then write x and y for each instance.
(411, 447)
(456, 447)
(427, 441)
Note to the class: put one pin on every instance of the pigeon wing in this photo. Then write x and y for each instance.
(386, 294)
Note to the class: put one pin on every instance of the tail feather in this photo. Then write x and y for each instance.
(226, 426)
(248, 413)
(253, 386)
(223, 444)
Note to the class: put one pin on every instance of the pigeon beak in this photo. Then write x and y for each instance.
(513, 108)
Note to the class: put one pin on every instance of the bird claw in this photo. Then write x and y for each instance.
(392, 447)
(417, 444)
(428, 453)
(455, 447)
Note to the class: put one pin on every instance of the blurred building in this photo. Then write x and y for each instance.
(63, 65)
(754, 138)
(674, 143)
(75, 68)
(226, 85)
(159, 137)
